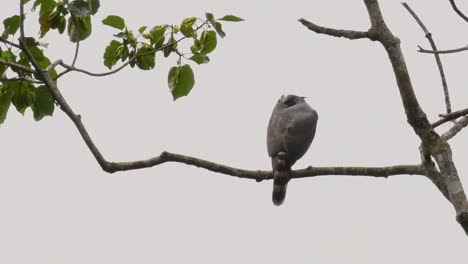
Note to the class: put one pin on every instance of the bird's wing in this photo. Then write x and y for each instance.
(277, 128)
(299, 133)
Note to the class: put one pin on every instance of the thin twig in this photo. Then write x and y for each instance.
(460, 13)
(17, 66)
(20, 79)
(449, 117)
(77, 50)
(436, 55)
(422, 50)
(9, 43)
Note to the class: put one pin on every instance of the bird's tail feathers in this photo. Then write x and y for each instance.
(281, 176)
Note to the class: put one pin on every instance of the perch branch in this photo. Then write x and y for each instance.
(436, 55)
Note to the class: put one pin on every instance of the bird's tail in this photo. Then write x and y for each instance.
(281, 176)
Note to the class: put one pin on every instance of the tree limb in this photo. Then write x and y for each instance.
(436, 55)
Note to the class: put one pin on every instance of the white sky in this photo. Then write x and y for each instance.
(57, 206)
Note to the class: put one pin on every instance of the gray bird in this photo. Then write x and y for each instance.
(290, 132)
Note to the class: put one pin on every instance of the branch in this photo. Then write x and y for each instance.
(9, 43)
(265, 175)
(349, 34)
(436, 55)
(449, 117)
(460, 13)
(422, 50)
(21, 78)
(456, 128)
(17, 66)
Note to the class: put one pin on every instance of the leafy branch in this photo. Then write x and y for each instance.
(18, 79)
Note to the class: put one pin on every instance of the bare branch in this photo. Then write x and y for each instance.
(449, 117)
(460, 13)
(349, 34)
(422, 50)
(437, 57)
(456, 128)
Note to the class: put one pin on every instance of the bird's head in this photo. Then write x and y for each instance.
(290, 100)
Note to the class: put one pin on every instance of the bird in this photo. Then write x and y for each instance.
(290, 132)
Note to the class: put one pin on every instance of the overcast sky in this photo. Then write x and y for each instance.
(57, 206)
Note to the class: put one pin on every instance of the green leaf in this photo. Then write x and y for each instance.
(142, 29)
(156, 35)
(22, 95)
(181, 81)
(93, 6)
(170, 48)
(43, 103)
(219, 29)
(231, 18)
(5, 102)
(11, 24)
(62, 24)
(47, 7)
(210, 18)
(209, 42)
(79, 8)
(110, 55)
(114, 21)
(216, 25)
(79, 28)
(146, 61)
(187, 27)
(200, 59)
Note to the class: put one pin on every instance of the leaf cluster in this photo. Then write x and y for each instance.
(140, 49)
